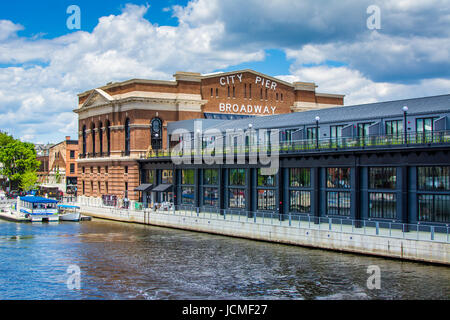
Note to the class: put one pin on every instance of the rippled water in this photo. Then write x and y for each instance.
(128, 261)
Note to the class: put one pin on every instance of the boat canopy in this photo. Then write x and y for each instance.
(34, 199)
(68, 206)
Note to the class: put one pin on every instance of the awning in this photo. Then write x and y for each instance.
(162, 188)
(145, 187)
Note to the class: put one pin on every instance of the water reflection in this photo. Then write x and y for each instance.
(126, 261)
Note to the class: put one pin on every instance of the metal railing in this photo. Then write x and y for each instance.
(436, 233)
(322, 144)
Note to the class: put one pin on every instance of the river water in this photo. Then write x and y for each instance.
(129, 261)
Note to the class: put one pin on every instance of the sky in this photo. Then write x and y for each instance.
(404, 52)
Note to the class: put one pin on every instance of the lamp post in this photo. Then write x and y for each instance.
(317, 132)
(405, 124)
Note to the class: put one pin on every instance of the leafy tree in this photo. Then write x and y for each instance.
(17, 158)
(28, 180)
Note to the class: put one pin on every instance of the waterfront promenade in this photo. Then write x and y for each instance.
(410, 242)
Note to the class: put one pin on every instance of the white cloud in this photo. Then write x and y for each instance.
(38, 94)
(359, 89)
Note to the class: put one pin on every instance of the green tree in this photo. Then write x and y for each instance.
(28, 180)
(17, 158)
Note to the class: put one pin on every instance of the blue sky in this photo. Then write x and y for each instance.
(44, 65)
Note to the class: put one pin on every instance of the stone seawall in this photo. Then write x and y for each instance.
(409, 249)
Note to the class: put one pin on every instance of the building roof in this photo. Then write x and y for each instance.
(388, 109)
(34, 199)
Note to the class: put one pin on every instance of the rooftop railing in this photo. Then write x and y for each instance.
(322, 144)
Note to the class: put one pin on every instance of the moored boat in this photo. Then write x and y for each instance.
(37, 209)
(69, 212)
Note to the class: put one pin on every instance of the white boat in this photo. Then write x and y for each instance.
(69, 213)
(36, 209)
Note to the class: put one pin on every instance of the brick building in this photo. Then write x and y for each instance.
(62, 163)
(121, 122)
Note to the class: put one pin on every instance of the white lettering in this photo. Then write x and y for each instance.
(232, 79)
(222, 107)
(222, 79)
(273, 109)
(273, 86)
(228, 107)
(266, 110)
(258, 109)
(249, 108)
(258, 79)
(235, 108)
(267, 83)
(239, 77)
(243, 109)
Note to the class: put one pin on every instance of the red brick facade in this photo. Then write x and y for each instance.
(103, 114)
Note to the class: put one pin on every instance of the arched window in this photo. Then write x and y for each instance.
(156, 133)
(100, 138)
(127, 137)
(93, 139)
(108, 137)
(84, 140)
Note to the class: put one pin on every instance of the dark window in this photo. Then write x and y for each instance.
(126, 190)
(108, 137)
(281, 97)
(217, 92)
(127, 136)
(83, 169)
(212, 91)
(338, 203)
(167, 176)
(250, 91)
(72, 168)
(106, 187)
(382, 178)
(300, 177)
(300, 201)
(266, 199)
(363, 129)
(100, 138)
(311, 133)
(84, 189)
(210, 176)
(382, 205)
(234, 92)
(236, 198)
(237, 177)
(72, 154)
(187, 176)
(106, 169)
(336, 134)
(433, 178)
(228, 91)
(84, 140)
(276, 96)
(187, 195)
(93, 138)
(394, 128)
(338, 178)
(261, 94)
(245, 90)
(266, 94)
(150, 176)
(265, 180)
(434, 208)
(211, 197)
(126, 169)
(99, 188)
(99, 170)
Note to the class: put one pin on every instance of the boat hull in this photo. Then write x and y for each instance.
(71, 216)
